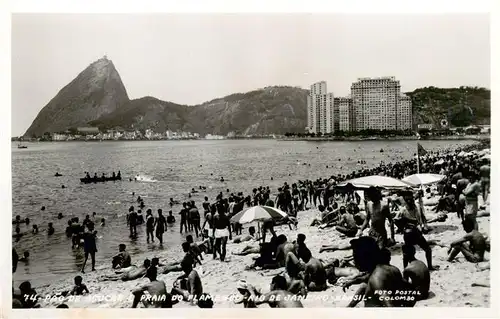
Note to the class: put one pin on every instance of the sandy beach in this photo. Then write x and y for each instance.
(451, 286)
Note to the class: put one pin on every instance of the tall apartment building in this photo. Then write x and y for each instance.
(347, 116)
(404, 114)
(320, 109)
(376, 102)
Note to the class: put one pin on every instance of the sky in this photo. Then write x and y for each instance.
(193, 58)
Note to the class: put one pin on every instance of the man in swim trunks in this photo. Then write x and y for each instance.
(161, 226)
(471, 193)
(416, 273)
(132, 222)
(410, 222)
(159, 298)
(377, 211)
(150, 225)
(170, 218)
(89, 246)
(222, 230)
(472, 245)
(314, 275)
(184, 218)
(485, 180)
(347, 224)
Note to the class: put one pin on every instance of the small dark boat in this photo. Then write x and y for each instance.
(100, 179)
(57, 174)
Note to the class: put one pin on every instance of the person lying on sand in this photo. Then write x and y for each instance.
(472, 245)
(177, 266)
(188, 285)
(267, 253)
(278, 297)
(157, 293)
(416, 273)
(334, 247)
(129, 273)
(247, 250)
(440, 217)
(250, 236)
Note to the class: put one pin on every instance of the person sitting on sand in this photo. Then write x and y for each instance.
(157, 293)
(205, 301)
(188, 285)
(25, 257)
(472, 245)
(314, 272)
(78, 289)
(129, 273)
(242, 287)
(122, 259)
(347, 224)
(416, 273)
(195, 249)
(379, 279)
(251, 236)
(27, 296)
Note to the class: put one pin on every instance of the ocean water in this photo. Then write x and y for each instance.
(167, 169)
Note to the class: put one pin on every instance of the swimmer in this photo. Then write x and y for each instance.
(35, 229)
(60, 216)
(50, 230)
(25, 257)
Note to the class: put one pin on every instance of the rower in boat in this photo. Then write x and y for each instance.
(57, 174)
(87, 176)
(103, 176)
(114, 175)
(119, 175)
(95, 176)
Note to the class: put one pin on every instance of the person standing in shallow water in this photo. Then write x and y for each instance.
(89, 246)
(161, 226)
(150, 226)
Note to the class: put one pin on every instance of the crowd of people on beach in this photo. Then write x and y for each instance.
(349, 209)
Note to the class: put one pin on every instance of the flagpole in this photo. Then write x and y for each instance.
(418, 160)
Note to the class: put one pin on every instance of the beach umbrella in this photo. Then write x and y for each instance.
(258, 213)
(423, 179)
(486, 157)
(440, 162)
(377, 181)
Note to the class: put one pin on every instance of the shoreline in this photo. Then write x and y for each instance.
(396, 138)
(290, 139)
(450, 286)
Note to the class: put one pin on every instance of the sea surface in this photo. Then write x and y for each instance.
(167, 169)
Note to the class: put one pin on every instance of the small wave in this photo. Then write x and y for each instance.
(113, 203)
(144, 178)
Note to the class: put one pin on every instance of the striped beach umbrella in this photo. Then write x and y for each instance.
(258, 213)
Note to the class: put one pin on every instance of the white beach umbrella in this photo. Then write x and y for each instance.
(377, 181)
(423, 179)
(258, 213)
(440, 162)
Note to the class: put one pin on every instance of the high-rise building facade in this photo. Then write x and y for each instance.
(405, 114)
(376, 102)
(347, 116)
(320, 109)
